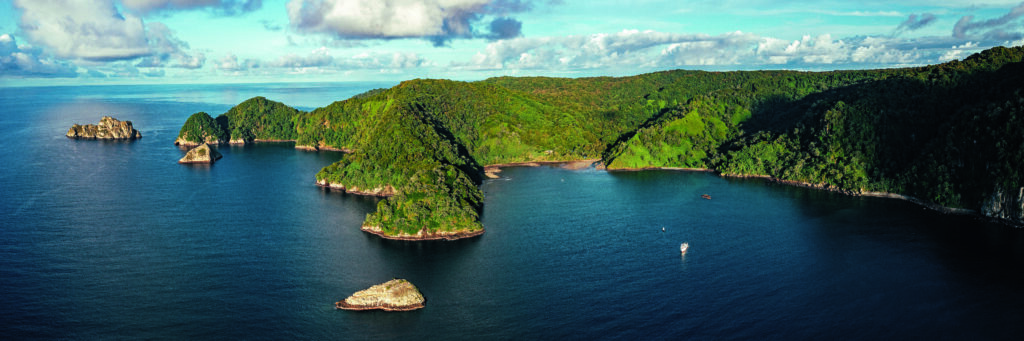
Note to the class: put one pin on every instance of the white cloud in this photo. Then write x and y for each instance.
(96, 31)
(437, 20)
(80, 29)
(319, 58)
(643, 51)
(25, 61)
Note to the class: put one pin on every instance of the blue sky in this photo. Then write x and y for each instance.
(230, 41)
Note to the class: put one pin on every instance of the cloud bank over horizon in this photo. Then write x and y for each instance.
(218, 40)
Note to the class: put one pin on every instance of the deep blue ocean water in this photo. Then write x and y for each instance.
(115, 240)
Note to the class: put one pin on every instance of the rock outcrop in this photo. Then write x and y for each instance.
(423, 234)
(393, 295)
(201, 154)
(1005, 204)
(379, 191)
(109, 128)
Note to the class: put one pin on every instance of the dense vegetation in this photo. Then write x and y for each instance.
(948, 134)
(200, 128)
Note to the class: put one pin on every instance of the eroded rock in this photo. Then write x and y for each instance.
(393, 295)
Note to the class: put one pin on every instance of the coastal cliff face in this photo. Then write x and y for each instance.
(1005, 205)
(201, 154)
(379, 191)
(393, 295)
(422, 234)
(109, 128)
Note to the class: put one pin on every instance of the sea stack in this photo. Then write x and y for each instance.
(393, 295)
(201, 154)
(109, 128)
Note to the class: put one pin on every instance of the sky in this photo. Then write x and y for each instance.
(58, 42)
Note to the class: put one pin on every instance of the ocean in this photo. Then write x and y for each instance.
(115, 240)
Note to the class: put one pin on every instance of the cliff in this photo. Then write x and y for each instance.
(422, 234)
(201, 154)
(1006, 205)
(108, 128)
(393, 295)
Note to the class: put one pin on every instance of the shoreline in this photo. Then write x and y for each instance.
(491, 170)
(323, 147)
(421, 236)
(771, 179)
(385, 307)
(385, 191)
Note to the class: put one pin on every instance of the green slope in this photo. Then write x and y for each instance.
(948, 134)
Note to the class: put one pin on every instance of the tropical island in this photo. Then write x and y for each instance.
(947, 136)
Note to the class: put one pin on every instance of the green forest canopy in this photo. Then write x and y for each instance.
(948, 134)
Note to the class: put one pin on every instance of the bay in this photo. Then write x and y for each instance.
(113, 240)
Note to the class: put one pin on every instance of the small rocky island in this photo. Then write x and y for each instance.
(201, 154)
(393, 295)
(109, 128)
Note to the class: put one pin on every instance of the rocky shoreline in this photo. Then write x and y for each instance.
(422, 234)
(380, 191)
(393, 295)
(201, 154)
(824, 187)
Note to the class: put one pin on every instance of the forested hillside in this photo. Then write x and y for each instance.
(947, 134)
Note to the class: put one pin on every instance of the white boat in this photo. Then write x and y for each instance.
(683, 247)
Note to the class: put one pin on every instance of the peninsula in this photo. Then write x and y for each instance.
(109, 128)
(947, 135)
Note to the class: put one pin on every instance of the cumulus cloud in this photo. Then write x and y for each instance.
(222, 6)
(25, 61)
(436, 20)
(382, 61)
(97, 32)
(168, 50)
(966, 25)
(80, 29)
(640, 51)
(318, 58)
(230, 63)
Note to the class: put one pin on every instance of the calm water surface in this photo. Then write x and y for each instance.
(113, 240)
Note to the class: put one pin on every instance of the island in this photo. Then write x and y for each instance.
(201, 154)
(947, 136)
(393, 295)
(109, 128)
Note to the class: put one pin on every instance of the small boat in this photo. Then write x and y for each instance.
(683, 247)
(705, 196)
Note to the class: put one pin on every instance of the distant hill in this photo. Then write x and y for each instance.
(948, 135)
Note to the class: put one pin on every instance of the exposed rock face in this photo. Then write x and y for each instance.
(201, 154)
(380, 191)
(185, 142)
(1006, 205)
(393, 295)
(423, 234)
(109, 128)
